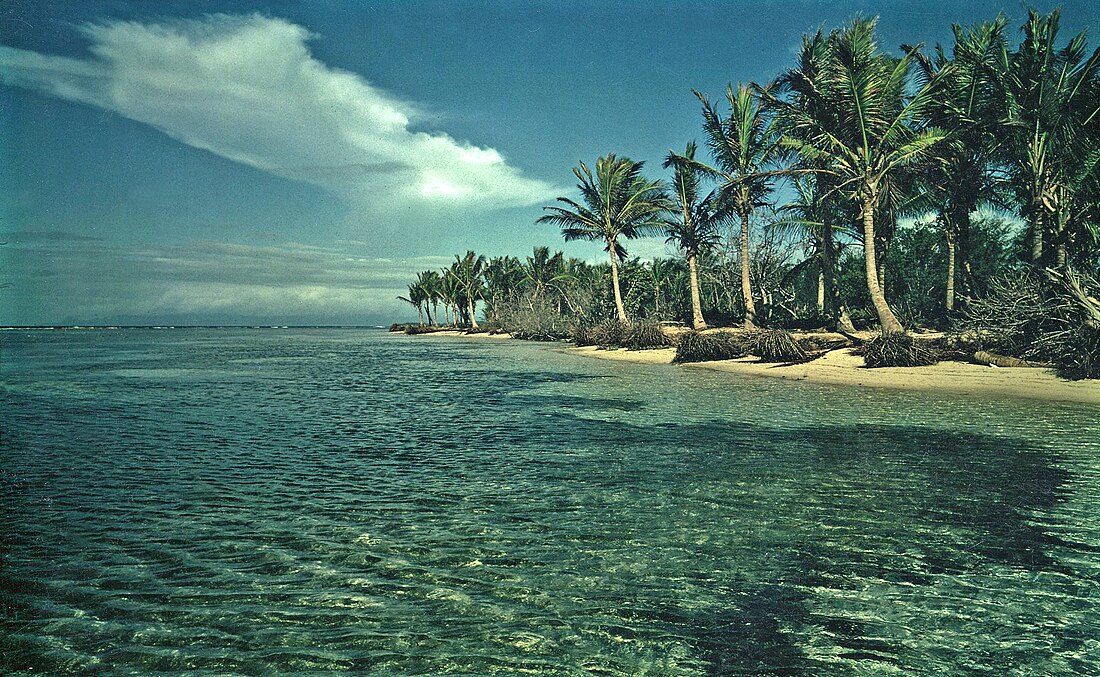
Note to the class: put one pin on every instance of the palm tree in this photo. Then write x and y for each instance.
(1053, 119)
(467, 270)
(449, 292)
(540, 270)
(503, 277)
(416, 298)
(813, 217)
(429, 283)
(860, 128)
(741, 145)
(693, 225)
(969, 104)
(618, 203)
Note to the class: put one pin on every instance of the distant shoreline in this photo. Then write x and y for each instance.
(841, 367)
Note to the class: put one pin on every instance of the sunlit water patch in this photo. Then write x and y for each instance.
(346, 500)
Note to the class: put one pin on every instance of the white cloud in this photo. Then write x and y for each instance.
(248, 89)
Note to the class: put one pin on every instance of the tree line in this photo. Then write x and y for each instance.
(912, 182)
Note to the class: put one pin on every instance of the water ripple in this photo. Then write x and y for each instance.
(225, 501)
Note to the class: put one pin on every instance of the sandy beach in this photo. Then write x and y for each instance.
(841, 367)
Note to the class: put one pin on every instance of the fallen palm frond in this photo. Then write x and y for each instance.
(693, 346)
(898, 349)
(644, 335)
(775, 345)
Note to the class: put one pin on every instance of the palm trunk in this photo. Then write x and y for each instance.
(962, 254)
(887, 321)
(950, 300)
(615, 285)
(420, 314)
(820, 292)
(473, 320)
(697, 321)
(746, 283)
(1037, 228)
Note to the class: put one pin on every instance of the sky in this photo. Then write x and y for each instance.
(279, 162)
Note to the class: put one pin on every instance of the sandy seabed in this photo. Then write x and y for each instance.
(843, 368)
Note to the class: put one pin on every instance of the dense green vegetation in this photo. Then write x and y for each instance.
(931, 188)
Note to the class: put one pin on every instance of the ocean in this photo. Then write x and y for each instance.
(246, 501)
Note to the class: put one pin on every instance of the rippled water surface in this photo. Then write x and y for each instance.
(248, 501)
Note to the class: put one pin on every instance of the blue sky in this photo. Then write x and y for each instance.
(297, 162)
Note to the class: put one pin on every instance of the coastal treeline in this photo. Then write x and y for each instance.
(954, 188)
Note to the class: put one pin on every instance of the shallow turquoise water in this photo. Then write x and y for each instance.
(251, 501)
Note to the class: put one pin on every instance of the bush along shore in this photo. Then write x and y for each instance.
(915, 205)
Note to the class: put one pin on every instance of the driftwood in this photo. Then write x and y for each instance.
(995, 360)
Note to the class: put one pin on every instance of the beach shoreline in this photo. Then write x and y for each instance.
(841, 367)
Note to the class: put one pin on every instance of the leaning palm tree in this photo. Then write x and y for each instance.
(467, 271)
(860, 129)
(618, 203)
(741, 145)
(693, 224)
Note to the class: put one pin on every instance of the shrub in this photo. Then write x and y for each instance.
(693, 346)
(413, 329)
(541, 322)
(898, 349)
(775, 345)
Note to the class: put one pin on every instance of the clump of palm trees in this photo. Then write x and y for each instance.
(904, 168)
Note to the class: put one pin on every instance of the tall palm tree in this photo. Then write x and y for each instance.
(1053, 121)
(618, 203)
(860, 129)
(693, 223)
(467, 270)
(740, 145)
(969, 104)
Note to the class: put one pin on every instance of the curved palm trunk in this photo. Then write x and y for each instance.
(746, 282)
(886, 319)
(697, 321)
(615, 285)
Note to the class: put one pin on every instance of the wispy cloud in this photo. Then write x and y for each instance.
(66, 280)
(249, 89)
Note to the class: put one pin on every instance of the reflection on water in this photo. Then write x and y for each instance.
(248, 501)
